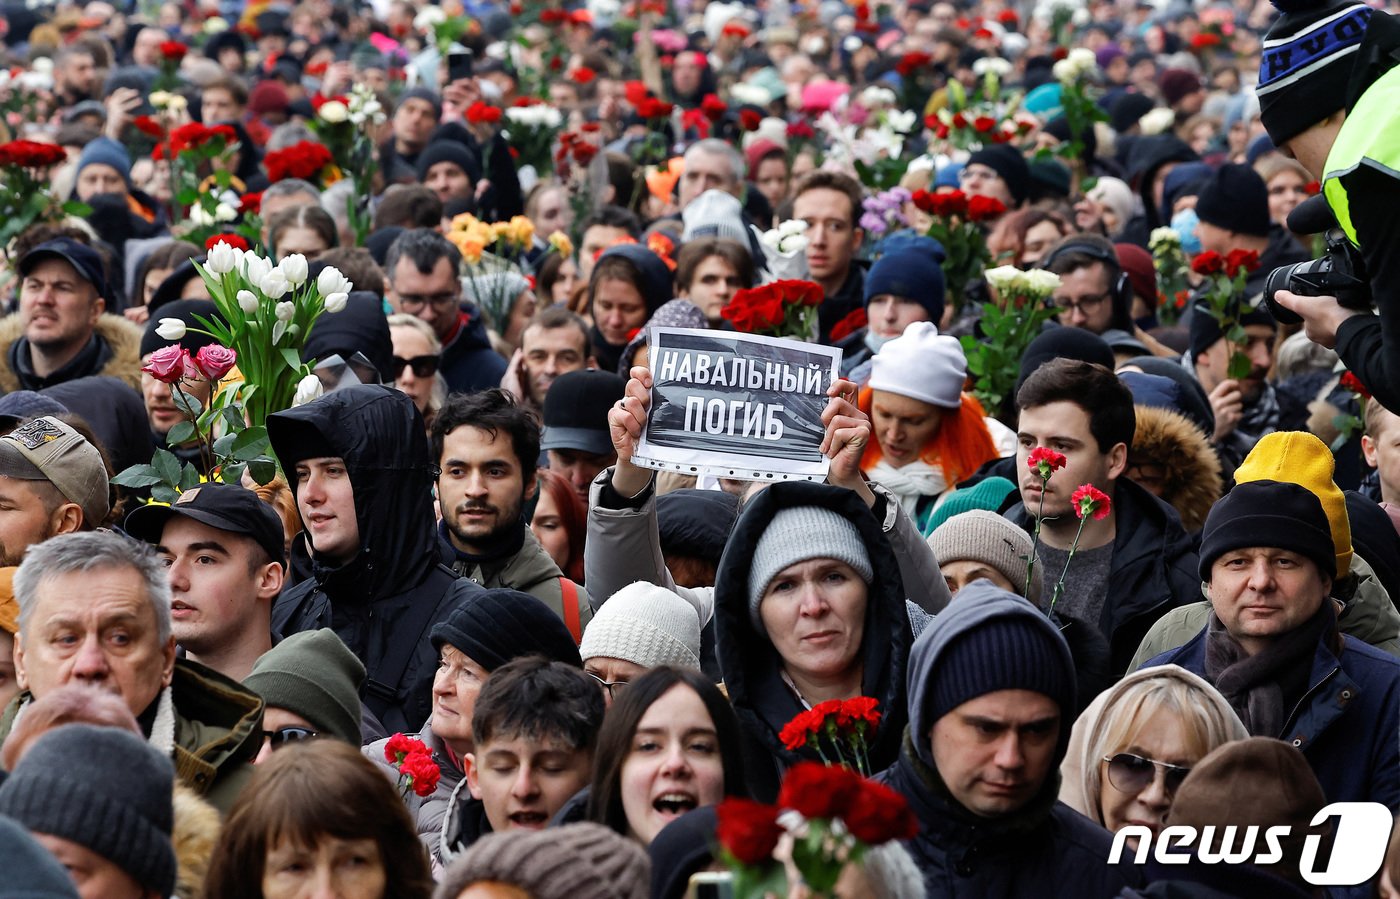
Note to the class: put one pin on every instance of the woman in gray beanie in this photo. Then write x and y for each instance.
(578, 861)
(809, 606)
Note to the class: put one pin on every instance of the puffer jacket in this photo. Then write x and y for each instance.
(427, 812)
(1369, 615)
(752, 667)
(468, 362)
(383, 602)
(1044, 848)
(1346, 723)
(1153, 569)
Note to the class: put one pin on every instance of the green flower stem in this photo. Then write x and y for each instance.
(1060, 584)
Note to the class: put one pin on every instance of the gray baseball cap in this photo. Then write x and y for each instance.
(46, 449)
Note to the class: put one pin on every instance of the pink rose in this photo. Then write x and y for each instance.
(214, 361)
(167, 365)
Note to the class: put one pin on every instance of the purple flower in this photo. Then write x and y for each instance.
(873, 223)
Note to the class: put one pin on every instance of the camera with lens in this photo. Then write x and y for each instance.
(1340, 272)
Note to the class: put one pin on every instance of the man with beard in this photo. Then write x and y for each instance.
(487, 449)
(52, 481)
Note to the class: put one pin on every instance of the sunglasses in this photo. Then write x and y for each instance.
(281, 735)
(1132, 773)
(423, 366)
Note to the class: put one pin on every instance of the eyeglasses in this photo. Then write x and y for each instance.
(612, 688)
(1081, 305)
(423, 366)
(413, 302)
(981, 172)
(281, 735)
(1132, 773)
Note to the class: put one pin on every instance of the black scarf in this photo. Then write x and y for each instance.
(1262, 688)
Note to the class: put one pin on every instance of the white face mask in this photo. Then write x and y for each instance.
(874, 342)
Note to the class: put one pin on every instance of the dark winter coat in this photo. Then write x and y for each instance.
(384, 602)
(1345, 724)
(752, 667)
(468, 362)
(1044, 848)
(1153, 570)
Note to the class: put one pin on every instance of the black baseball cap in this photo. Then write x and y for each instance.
(576, 411)
(226, 507)
(79, 255)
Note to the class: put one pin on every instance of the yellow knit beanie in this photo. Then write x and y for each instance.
(1297, 457)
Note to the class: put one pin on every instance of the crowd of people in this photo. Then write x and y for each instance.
(468, 642)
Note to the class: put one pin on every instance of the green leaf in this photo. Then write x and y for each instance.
(292, 357)
(166, 465)
(262, 470)
(278, 330)
(232, 473)
(181, 433)
(162, 493)
(224, 445)
(186, 403)
(189, 477)
(233, 417)
(138, 477)
(250, 445)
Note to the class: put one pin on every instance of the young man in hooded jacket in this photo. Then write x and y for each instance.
(359, 467)
(991, 699)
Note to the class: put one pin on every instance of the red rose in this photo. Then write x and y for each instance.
(768, 311)
(739, 312)
(924, 202)
(799, 293)
(980, 208)
(167, 365)
(555, 63)
(188, 136)
(818, 791)
(1208, 263)
(750, 119)
(911, 62)
(652, 108)
(149, 126)
(223, 131)
(250, 204)
(713, 107)
(1241, 260)
(233, 240)
(584, 153)
(1351, 382)
(636, 92)
(480, 113)
(748, 830)
(1090, 500)
(878, 814)
(583, 75)
(214, 361)
(173, 51)
(800, 131)
(30, 154)
(304, 160)
(849, 325)
(984, 123)
(959, 120)
(948, 203)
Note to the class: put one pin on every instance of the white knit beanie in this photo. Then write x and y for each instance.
(797, 534)
(923, 365)
(714, 213)
(646, 625)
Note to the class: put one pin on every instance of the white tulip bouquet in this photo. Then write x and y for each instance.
(265, 314)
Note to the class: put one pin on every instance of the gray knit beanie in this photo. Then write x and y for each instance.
(104, 789)
(315, 675)
(646, 625)
(797, 535)
(982, 536)
(577, 861)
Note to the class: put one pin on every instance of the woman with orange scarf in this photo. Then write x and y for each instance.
(927, 434)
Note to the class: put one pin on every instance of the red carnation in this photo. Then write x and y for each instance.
(1090, 500)
(748, 830)
(818, 791)
(652, 108)
(984, 123)
(849, 325)
(30, 154)
(861, 710)
(713, 107)
(981, 209)
(483, 113)
(636, 92)
(173, 51)
(583, 75)
(423, 772)
(250, 204)
(584, 153)
(800, 131)
(796, 732)
(401, 746)
(1045, 462)
(1208, 263)
(750, 119)
(878, 814)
